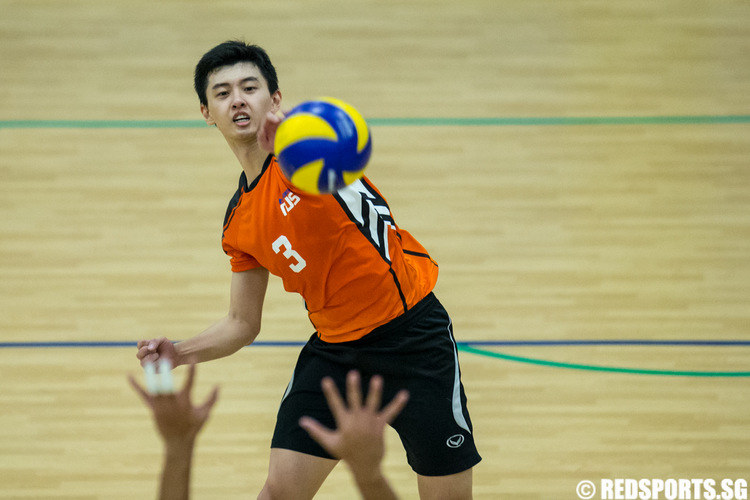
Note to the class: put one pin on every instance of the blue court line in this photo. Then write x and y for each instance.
(468, 343)
(404, 121)
(469, 347)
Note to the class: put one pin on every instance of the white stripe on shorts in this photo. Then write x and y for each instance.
(288, 388)
(458, 414)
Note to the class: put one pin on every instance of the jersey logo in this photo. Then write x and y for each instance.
(370, 212)
(288, 201)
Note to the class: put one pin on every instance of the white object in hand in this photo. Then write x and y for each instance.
(160, 382)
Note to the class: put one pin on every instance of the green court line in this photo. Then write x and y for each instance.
(405, 122)
(575, 366)
(100, 124)
(562, 121)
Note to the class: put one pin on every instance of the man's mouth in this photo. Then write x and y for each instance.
(241, 118)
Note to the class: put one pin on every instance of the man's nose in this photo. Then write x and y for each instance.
(238, 101)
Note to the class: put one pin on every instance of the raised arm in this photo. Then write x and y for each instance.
(178, 422)
(237, 329)
(358, 439)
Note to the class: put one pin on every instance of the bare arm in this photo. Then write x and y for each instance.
(237, 329)
(178, 422)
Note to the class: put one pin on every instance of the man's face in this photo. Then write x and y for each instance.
(238, 100)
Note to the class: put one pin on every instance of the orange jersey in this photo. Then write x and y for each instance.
(354, 267)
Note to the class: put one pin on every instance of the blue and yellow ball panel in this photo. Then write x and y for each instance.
(323, 145)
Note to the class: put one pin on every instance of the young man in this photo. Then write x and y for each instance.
(367, 286)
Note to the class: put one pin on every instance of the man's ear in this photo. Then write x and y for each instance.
(276, 100)
(207, 115)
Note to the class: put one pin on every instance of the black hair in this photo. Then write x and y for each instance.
(227, 54)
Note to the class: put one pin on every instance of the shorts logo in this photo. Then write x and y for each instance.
(455, 441)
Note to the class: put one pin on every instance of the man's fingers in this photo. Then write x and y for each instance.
(140, 390)
(211, 399)
(190, 378)
(148, 350)
(322, 435)
(375, 393)
(392, 409)
(155, 344)
(335, 402)
(274, 118)
(149, 358)
(353, 390)
(143, 352)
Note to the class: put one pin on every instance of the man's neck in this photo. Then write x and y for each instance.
(251, 158)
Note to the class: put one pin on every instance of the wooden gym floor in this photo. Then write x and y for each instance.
(579, 170)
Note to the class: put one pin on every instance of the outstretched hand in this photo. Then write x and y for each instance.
(175, 416)
(358, 437)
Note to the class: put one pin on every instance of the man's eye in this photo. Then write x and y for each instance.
(249, 89)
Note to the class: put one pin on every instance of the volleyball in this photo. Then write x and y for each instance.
(323, 145)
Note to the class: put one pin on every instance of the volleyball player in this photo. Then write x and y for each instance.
(367, 285)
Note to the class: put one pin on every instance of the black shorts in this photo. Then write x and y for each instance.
(416, 352)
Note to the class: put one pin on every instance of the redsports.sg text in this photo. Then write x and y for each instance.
(673, 489)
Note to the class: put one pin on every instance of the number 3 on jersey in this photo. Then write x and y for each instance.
(283, 242)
